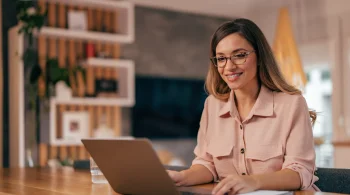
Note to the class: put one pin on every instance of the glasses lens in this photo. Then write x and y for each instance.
(239, 61)
(221, 61)
(239, 58)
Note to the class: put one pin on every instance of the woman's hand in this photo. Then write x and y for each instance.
(177, 177)
(234, 184)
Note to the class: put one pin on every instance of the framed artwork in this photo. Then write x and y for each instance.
(77, 20)
(75, 125)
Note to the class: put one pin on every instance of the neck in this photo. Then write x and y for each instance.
(247, 96)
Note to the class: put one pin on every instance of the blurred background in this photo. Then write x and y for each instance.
(106, 68)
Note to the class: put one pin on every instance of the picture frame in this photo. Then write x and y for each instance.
(77, 20)
(75, 125)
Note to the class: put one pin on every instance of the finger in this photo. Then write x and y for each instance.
(226, 187)
(220, 185)
(173, 175)
(236, 189)
(170, 173)
(179, 183)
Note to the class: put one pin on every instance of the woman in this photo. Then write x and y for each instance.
(255, 131)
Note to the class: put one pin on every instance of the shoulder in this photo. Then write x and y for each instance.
(212, 102)
(211, 99)
(287, 100)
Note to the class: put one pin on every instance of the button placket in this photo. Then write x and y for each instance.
(242, 163)
(243, 167)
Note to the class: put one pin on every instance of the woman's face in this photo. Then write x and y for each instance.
(243, 74)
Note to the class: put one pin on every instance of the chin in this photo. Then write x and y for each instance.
(234, 86)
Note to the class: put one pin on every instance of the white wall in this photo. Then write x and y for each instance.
(308, 19)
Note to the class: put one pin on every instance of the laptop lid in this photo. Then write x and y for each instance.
(130, 166)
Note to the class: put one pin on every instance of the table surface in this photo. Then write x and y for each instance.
(69, 181)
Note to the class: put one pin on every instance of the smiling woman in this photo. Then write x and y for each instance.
(256, 130)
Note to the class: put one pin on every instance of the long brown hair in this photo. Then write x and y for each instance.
(268, 71)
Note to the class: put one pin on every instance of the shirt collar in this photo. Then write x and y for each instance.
(262, 107)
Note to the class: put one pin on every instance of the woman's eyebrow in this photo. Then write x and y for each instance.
(234, 51)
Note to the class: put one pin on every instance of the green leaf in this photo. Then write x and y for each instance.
(55, 75)
(35, 74)
(52, 62)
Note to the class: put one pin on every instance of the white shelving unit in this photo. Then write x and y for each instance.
(126, 81)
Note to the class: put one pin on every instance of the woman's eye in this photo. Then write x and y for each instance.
(221, 59)
(241, 55)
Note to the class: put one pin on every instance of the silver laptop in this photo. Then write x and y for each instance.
(131, 166)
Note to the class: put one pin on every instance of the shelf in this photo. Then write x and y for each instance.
(86, 35)
(53, 140)
(105, 62)
(127, 85)
(125, 20)
(126, 76)
(107, 4)
(97, 101)
(62, 142)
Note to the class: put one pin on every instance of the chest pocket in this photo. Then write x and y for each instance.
(223, 157)
(264, 158)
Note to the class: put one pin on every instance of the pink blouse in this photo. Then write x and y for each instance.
(277, 134)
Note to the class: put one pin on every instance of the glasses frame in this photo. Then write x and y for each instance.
(212, 59)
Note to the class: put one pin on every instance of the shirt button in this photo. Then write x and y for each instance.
(242, 150)
(240, 126)
(243, 173)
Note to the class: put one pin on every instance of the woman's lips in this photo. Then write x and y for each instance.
(233, 77)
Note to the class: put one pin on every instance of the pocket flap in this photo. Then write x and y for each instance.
(264, 152)
(220, 149)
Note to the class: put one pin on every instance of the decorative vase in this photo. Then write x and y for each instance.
(63, 91)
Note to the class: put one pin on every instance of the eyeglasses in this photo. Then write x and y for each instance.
(237, 59)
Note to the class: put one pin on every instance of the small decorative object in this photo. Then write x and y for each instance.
(55, 74)
(63, 91)
(54, 163)
(103, 131)
(77, 20)
(105, 87)
(30, 162)
(102, 54)
(90, 50)
(75, 125)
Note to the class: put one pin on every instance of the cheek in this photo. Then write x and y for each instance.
(251, 68)
(221, 71)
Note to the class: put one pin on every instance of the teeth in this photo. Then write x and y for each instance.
(234, 75)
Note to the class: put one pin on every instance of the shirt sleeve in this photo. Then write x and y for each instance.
(202, 157)
(300, 153)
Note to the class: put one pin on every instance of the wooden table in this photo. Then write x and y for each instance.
(69, 181)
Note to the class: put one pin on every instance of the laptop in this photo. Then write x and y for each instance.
(131, 166)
